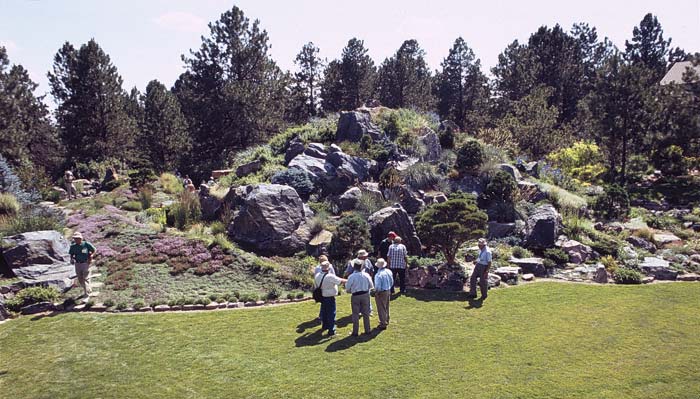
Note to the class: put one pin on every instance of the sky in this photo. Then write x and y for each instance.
(146, 38)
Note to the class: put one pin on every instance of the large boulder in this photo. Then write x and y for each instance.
(353, 125)
(410, 200)
(394, 218)
(578, 253)
(271, 220)
(295, 147)
(38, 258)
(210, 205)
(349, 200)
(316, 150)
(431, 142)
(530, 265)
(335, 173)
(248, 168)
(500, 230)
(640, 242)
(542, 227)
(659, 268)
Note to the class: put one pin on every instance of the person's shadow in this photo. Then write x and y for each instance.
(308, 324)
(350, 341)
(317, 337)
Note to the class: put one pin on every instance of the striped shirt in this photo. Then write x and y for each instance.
(383, 280)
(397, 256)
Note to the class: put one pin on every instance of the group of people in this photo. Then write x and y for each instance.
(361, 278)
(189, 185)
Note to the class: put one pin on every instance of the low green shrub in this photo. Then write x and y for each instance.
(610, 264)
(604, 244)
(9, 206)
(170, 183)
(419, 261)
(108, 302)
(121, 306)
(274, 293)
(627, 276)
(300, 295)
(614, 203)
(249, 297)
(296, 178)
(132, 206)
(31, 218)
(156, 215)
(390, 178)
(470, 156)
(221, 240)
(520, 252)
(138, 304)
(217, 227)
(556, 255)
(261, 265)
(146, 197)
(32, 295)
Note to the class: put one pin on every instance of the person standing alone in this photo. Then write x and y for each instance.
(397, 256)
(81, 253)
(481, 271)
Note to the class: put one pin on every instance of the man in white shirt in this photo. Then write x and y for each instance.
(481, 271)
(329, 289)
(359, 284)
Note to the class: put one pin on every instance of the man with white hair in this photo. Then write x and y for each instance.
(481, 271)
(362, 256)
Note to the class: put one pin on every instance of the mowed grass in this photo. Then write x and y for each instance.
(543, 340)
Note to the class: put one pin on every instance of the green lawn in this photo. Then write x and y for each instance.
(543, 340)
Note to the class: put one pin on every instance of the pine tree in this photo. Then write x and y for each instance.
(307, 80)
(232, 93)
(462, 89)
(648, 47)
(357, 74)
(91, 114)
(404, 79)
(165, 130)
(28, 140)
(332, 88)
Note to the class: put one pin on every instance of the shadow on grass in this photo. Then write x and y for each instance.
(436, 295)
(48, 314)
(350, 341)
(317, 337)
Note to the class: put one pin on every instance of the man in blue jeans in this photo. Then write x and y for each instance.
(329, 290)
(481, 271)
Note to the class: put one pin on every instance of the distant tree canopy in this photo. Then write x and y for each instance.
(349, 82)
(92, 106)
(462, 89)
(27, 137)
(404, 80)
(232, 91)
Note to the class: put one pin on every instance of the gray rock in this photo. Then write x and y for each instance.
(431, 142)
(664, 239)
(37, 308)
(334, 148)
(372, 188)
(39, 258)
(530, 265)
(542, 227)
(210, 205)
(508, 272)
(161, 308)
(658, 268)
(248, 168)
(271, 220)
(500, 230)
(295, 147)
(511, 170)
(434, 197)
(530, 168)
(349, 200)
(348, 170)
(689, 277)
(494, 280)
(316, 150)
(641, 243)
(578, 253)
(469, 184)
(531, 192)
(528, 277)
(410, 200)
(601, 275)
(648, 280)
(396, 219)
(353, 125)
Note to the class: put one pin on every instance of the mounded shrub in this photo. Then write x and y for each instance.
(32, 295)
(558, 256)
(627, 276)
(470, 156)
(296, 178)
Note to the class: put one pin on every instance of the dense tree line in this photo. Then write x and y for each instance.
(558, 86)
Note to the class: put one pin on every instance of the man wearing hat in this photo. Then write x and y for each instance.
(329, 290)
(481, 271)
(367, 266)
(397, 258)
(383, 283)
(81, 253)
(359, 285)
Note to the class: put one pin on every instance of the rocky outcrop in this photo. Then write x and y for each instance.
(396, 219)
(530, 168)
(469, 184)
(353, 125)
(500, 230)
(210, 205)
(530, 265)
(410, 200)
(295, 147)
(248, 168)
(349, 200)
(436, 276)
(659, 268)
(335, 173)
(578, 253)
(639, 242)
(316, 150)
(271, 220)
(431, 143)
(38, 258)
(542, 227)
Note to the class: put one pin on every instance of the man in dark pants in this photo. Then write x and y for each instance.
(397, 258)
(383, 248)
(481, 271)
(329, 288)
